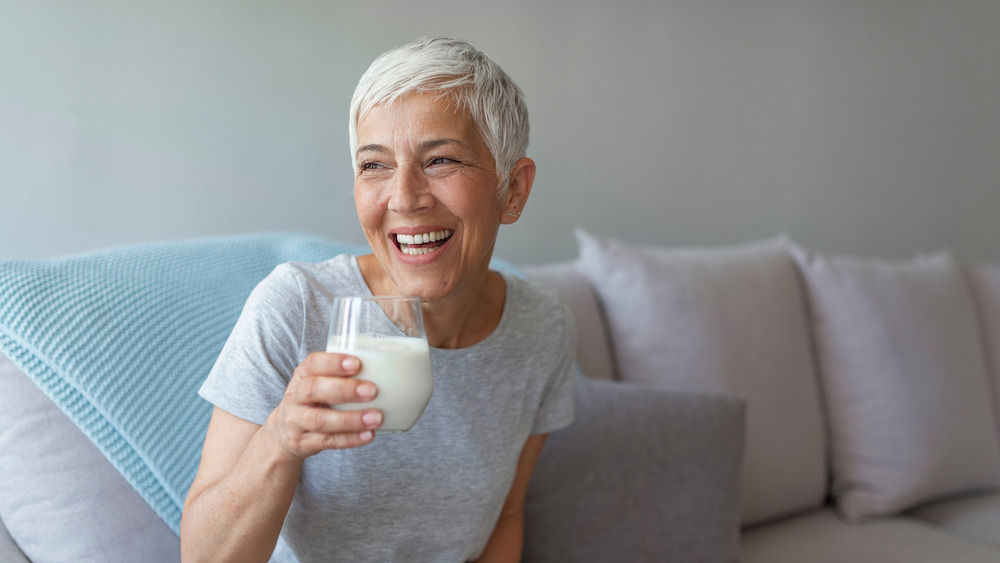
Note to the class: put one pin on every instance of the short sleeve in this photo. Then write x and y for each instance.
(249, 377)
(556, 409)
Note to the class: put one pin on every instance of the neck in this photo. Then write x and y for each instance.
(460, 321)
(463, 317)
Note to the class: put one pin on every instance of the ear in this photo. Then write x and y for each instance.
(521, 179)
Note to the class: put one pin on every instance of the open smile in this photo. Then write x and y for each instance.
(419, 244)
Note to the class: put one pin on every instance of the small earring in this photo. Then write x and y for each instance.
(514, 214)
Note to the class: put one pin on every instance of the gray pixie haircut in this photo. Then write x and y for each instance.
(453, 68)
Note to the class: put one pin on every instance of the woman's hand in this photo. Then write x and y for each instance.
(245, 483)
(303, 422)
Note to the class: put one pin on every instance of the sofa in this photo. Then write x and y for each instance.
(871, 385)
(757, 402)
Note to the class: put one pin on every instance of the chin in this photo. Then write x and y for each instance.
(428, 291)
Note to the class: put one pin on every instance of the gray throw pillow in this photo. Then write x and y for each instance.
(643, 474)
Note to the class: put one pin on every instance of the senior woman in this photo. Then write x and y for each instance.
(438, 135)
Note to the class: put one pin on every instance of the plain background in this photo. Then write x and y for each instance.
(868, 127)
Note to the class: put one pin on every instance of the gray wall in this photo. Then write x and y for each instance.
(854, 126)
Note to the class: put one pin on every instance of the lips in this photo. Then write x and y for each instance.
(420, 243)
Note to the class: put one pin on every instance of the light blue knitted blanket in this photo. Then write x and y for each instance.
(122, 338)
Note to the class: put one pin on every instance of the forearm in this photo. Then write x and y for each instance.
(507, 541)
(239, 517)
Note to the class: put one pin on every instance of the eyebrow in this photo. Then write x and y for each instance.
(424, 146)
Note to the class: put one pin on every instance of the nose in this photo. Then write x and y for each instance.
(410, 191)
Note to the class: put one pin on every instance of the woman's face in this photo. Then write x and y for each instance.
(426, 194)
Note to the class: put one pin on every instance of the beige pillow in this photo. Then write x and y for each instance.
(904, 379)
(726, 320)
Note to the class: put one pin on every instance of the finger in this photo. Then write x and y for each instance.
(339, 441)
(328, 364)
(311, 443)
(323, 420)
(332, 390)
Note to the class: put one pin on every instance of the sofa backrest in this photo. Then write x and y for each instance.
(593, 347)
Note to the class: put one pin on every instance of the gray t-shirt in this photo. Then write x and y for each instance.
(430, 494)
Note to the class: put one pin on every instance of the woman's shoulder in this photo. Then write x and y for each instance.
(339, 264)
(341, 268)
(525, 289)
(534, 302)
(296, 280)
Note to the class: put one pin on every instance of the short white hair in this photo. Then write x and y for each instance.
(454, 68)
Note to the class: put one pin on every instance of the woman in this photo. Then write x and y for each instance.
(438, 135)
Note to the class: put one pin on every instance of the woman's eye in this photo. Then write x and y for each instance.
(369, 166)
(441, 160)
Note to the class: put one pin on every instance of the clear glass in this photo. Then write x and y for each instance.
(387, 335)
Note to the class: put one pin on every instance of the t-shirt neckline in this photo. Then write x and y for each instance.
(501, 327)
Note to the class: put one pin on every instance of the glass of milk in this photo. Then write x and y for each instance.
(387, 335)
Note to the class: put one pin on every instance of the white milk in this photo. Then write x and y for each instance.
(401, 369)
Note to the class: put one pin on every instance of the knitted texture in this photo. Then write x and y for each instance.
(122, 338)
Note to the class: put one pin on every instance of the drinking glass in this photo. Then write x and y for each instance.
(387, 335)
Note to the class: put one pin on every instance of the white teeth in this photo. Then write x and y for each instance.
(417, 251)
(422, 238)
(405, 241)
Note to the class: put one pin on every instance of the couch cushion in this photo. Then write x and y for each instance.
(592, 350)
(61, 500)
(729, 320)
(824, 538)
(985, 281)
(905, 384)
(642, 474)
(9, 552)
(976, 518)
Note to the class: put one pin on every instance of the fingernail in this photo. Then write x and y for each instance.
(350, 363)
(372, 418)
(366, 435)
(366, 390)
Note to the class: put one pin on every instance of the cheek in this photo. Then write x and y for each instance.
(490, 206)
(487, 223)
(477, 195)
(367, 205)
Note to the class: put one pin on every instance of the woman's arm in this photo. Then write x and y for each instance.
(507, 540)
(239, 496)
(248, 473)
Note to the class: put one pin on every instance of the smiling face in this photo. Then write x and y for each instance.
(426, 195)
